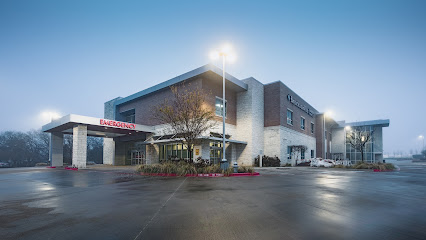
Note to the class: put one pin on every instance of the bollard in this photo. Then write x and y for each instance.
(235, 166)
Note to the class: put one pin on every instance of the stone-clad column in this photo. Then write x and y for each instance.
(79, 146)
(109, 151)
(152, 151)
(56, 151)
(250, 121)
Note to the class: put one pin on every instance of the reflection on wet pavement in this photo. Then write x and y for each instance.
(282, 203)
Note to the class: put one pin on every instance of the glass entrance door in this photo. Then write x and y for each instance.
(215, 152)
(137, 157)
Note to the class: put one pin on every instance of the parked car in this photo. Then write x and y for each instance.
(319, 162)
(4, 165)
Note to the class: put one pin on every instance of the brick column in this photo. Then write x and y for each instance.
(79, 146)
(56, 150)
(108, 151)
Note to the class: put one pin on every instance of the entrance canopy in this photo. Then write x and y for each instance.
(96, 127)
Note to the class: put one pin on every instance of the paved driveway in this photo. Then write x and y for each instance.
(285, 203)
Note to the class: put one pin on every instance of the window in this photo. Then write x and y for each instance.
(288, 152)
(302, 154)
(173, 151)
(302, 123)
(325, 135)
(219, 107)
(130, 118)
(312, 127)
(289, 117)
(127, 116)
(312, 153)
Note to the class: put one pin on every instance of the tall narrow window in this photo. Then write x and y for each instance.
(312, 127)
(288, 152)
(302, 123)
(219, 107)
(302, 154)
(289, 117)
(312, 153)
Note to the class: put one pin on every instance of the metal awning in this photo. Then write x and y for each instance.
(162, 139)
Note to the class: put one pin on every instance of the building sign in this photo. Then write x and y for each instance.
(118, 124)
(197, 151)
(299, 105)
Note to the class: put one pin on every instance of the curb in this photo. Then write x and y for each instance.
(201, 174)
(378, 170)
(71, 168)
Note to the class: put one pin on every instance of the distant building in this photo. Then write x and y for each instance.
(261, 119)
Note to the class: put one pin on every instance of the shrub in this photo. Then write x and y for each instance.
(183, 168)
(378, 166)
(244, 169)
(267, 161)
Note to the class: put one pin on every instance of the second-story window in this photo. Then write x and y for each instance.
(219, 107)
(312, 127)
(302, 123)
(130, 118)
(289, 117)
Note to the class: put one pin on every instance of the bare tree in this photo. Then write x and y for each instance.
(185, 114)
(358, 138)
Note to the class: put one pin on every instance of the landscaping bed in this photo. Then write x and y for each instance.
(377, 167)
(192, 170)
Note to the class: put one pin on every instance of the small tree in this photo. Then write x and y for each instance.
(358, 138)
(185, 114)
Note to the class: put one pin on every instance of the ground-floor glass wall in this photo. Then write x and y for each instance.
(355, 155)
(173, 151)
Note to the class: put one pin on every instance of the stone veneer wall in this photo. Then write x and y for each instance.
(152, 153)
(250, 122)
(278, 138)
(109, 108)
(108, 151)
(272, 141)
(79, 146)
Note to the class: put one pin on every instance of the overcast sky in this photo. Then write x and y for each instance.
(362, 60)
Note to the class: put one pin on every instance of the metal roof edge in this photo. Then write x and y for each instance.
(382, 122)
(180, 78)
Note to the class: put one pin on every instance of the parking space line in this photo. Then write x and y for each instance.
(158, 211)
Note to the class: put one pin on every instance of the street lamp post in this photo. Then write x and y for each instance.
(324, 139)
(224, 162)
(324, 133)
(225, 52)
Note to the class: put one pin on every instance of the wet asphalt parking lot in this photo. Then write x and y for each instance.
(285, 203)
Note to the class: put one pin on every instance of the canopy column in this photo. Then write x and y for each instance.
(56, 150)
(109, 151)
(79, 146)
